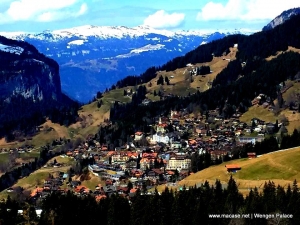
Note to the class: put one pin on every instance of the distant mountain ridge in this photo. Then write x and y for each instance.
(284, 16)
(105, 32)
(93, 58)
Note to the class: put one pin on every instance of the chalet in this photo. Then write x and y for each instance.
(146, 163)
(151, 155)
(251, 155)
(104, 148)
(232, 168)
(120, 157)
(138, 135)
(270, 128)
(110, 189)
(175, 115)
(161, 128)
(176, 144)
(99, 197)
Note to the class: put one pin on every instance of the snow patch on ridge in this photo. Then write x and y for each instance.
(11, 49)
(147, 48)
(76, 42)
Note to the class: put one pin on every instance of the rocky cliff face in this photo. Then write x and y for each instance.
(284, 16)
(30, 91)
(26, 72)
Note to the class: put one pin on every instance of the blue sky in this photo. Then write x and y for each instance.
(39, 15)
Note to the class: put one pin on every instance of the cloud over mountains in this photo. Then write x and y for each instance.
(249, 10)
(43, 11)
(162, 19)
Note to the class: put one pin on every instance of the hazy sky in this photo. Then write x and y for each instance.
(39, 15)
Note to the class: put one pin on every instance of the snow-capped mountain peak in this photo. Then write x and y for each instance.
(107, 32)
(284, 16)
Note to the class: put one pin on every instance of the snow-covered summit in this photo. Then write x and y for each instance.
(284, 16)
(107, 32)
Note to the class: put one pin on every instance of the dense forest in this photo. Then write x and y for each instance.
(20, 117)
(193, 205)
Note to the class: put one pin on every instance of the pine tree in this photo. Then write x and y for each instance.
(234, 198)
(167, 80)
(160, 80)
(269, 197)
(281, 200)
(218, 196)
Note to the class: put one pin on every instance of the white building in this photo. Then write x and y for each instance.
(160, 138)
(138, 136)
(179, 162)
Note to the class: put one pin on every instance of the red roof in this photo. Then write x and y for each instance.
(99, 197)
(163, 125)
(251, 153)
(170, 172)
(233, 166)
(149, 155)
(133, 190)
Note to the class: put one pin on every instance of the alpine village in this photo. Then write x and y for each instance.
(211, 137)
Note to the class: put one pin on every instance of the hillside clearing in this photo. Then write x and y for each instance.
(180, 85)
(293, 116)
(282, 167)
(290, 49)
(260, 112)
(37, 177)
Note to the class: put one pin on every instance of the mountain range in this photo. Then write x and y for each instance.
(93, 58)
(30, 81)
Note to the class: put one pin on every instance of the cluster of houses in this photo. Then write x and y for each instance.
(160, 157)
(23, 149)
(167, 156)
(51, 184)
